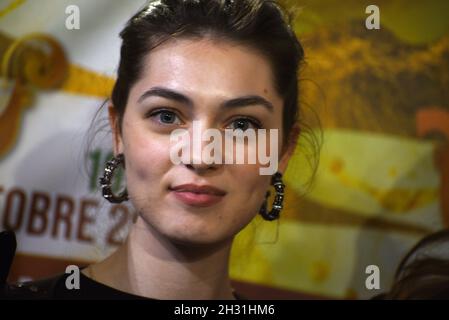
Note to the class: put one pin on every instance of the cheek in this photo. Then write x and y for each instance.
(248, 196)
(147, 157)
(253, 190)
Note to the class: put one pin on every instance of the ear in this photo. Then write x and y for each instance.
(116, 136)
(289, 149)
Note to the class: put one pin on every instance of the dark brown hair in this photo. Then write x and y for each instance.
(423, 274)
(258, 24)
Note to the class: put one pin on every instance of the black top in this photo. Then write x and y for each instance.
(55, 288)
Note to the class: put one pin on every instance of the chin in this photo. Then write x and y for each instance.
(195, 232)
(195, 241)
(195, 228)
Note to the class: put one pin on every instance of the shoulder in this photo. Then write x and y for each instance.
(32, 290)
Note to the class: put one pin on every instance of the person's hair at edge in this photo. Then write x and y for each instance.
(421, 274)
(260, 28)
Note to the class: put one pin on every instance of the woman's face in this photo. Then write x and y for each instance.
(207, 73)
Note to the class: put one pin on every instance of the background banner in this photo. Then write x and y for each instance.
(376, 101)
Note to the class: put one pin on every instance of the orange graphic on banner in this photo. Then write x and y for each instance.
(11, 118)
(436, 120)
(38, 61)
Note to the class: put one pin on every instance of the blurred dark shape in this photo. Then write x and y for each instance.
(8, 246)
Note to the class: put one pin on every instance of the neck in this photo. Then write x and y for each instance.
(149, 265)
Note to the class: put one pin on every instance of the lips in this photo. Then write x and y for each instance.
(195, 195)
(193, 188)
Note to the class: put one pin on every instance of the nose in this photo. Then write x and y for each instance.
(198, 164)
(201, 160)
(201, 168)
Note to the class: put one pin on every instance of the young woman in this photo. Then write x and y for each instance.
(225, 64)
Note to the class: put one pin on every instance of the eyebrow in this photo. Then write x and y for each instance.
(243, 101)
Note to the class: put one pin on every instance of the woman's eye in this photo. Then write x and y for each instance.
(166, 117)
(244, 124)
